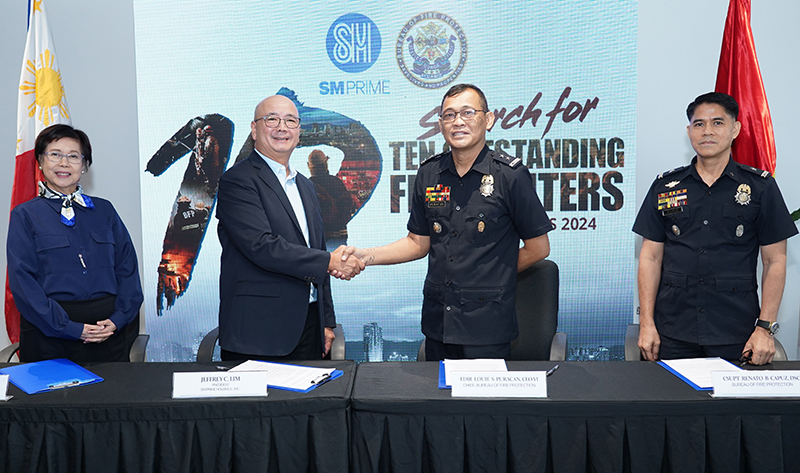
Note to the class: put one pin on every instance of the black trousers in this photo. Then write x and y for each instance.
(437, 351)
(308, 348)
(36, 346)
(672, 349)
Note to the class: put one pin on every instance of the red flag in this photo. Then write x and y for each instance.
(739, 76)
(41, 102)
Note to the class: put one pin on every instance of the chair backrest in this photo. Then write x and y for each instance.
(537, 311)
(207, 346)
(205, 352)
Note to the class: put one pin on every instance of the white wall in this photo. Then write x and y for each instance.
(679, 45)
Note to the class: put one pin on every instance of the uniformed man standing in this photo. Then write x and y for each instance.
(702, 227)
(471, 207)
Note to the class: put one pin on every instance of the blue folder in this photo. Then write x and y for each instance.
(442, 377)
(49, 375)
(686, 380)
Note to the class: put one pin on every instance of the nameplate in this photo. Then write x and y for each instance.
(4, 388)
(499, 384)
(748, 383)
(218, 384)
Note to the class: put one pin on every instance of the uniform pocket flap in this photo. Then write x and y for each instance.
(102, 237)
(432, 291)
(49, 242)
(481, 295)
(734, 284)
(674, 280)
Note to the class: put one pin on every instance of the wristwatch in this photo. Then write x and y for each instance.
(772, 327)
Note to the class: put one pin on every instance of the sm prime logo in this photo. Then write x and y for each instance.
(354, 45)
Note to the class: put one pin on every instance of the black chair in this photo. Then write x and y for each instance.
(537, 315)
(209, 344)
(632, 352)
(137, 353)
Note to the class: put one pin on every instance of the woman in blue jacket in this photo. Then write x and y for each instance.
(72, 267)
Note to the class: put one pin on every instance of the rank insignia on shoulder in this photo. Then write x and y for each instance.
(764, 174)
(672, 171)
(431, 158)
(505, 158)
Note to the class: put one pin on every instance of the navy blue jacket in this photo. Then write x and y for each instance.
(44, 265)
(266, 267)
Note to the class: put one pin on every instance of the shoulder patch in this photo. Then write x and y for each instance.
(431, 159)
(672, 171)
(764, 174)
(505, 158)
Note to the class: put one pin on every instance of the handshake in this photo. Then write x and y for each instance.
(346, 262)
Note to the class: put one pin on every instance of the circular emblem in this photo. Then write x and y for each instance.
(431, 50)
(437, 227)
(676, 230)
(739, 231)
(353, 43)
(742, 194)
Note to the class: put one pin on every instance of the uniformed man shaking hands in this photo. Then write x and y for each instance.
(702, 227)
(471, 207)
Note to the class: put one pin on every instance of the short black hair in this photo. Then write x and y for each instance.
(458, 88)
(723, 100)
(55, 133)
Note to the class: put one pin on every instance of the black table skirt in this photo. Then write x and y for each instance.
(130, 423)
(604, 417)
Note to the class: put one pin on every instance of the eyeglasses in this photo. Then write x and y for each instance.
(274, 122)
(466, 114)
(55, 157)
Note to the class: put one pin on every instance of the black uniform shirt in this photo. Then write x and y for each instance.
(475, 224)
(711, 237)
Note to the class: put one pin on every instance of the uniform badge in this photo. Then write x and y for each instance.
(672, 184)
(437, 227)
(481, 227)
(742, 196)
(437, 196)
(739, 230)
(487, 185)
(676, 230)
